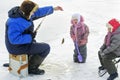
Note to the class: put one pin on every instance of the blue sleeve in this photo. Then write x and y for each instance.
(15, 35)
(41, 12)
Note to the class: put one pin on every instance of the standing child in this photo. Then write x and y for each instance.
(79, 33)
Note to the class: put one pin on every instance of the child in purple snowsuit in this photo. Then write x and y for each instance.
(79, 32)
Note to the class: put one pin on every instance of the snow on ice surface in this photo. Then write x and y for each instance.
(59, 65)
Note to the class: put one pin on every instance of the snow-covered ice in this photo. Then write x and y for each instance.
(59, 64)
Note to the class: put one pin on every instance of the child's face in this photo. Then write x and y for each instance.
(75, 21)
(109, 27)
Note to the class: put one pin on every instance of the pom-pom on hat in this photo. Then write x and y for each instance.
(114, 23)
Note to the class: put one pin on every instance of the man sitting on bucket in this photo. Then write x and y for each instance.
(20, 35)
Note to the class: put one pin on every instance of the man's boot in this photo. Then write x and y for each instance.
(34, 63)
(6, 65)
(34, 70)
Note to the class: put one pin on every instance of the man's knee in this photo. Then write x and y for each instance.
(46, 51)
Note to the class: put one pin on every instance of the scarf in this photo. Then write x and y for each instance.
(108, 37)
(81, 26)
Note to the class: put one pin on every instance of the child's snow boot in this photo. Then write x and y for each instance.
(101, 68)
(75, 58)
(101, 71)
(113, 76)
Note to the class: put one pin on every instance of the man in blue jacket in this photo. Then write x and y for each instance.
(19, 35)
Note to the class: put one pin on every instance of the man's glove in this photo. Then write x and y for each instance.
(33, 34)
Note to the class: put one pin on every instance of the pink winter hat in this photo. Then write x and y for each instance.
(78, 17)
(114, 23)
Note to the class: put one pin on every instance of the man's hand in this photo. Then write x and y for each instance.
(33, 34)
(58, 8)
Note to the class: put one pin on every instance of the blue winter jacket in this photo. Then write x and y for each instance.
(18, 36)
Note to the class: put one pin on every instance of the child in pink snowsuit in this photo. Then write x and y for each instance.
(79, 32)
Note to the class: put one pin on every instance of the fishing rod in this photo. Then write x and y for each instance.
(41, 21)
(45, 17)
